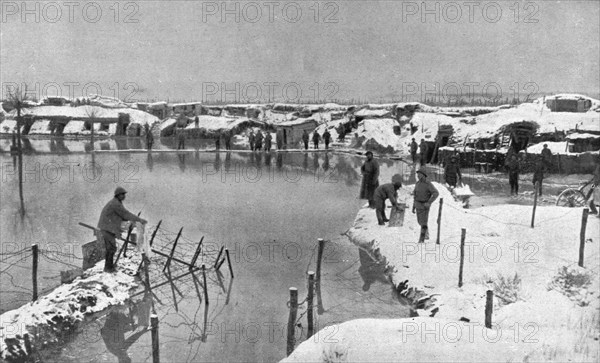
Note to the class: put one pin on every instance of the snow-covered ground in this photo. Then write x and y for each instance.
(58, 312)
(545, 307)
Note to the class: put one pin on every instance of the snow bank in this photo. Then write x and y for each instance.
(410, 340)
(59, 312)
(499, 244)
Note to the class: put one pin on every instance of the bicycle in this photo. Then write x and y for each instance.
(576, 197)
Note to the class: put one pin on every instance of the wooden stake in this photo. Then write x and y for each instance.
(197, 253)
(229, 262)
(124, 248)
(155, 351)
(309, 300)
(34, 271)
(320, 309)
(219, 256)
(489, 306)
(535, 196)
(173, 250)
(27, 345)
(220, 264)
(291, 339)
(439, 221)
(205, 286)
(584, 217)
(463, 234)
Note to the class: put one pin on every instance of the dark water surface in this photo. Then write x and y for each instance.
(268, 209)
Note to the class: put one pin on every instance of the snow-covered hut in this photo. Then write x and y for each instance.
(291, 131)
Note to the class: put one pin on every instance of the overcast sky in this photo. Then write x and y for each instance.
(368, 50)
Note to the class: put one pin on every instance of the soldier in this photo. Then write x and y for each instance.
(109, 225)
(316, 137)
(547, 156)
(413, 150)
(452, 172)
(513, 166)
(180, 139)
(424, 195)
(251, 140)
(538, 175)
(258, 141)
(305, 139)
(227, 137)
(268, 139)
(383, 192)
(423, 151)
(596, 185)
(326, 139)
(370, 180)
(149, 137)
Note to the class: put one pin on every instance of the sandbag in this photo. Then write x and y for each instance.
(397, 216)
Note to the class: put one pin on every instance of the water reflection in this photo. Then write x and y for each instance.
(123, 319)
(149, 162)
(315, 161)
(326, 162)
(181, 158)
(305, 162)
(371, 270)
(279, 161)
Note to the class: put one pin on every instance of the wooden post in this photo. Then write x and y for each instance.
(219, 255)
(439, 221)
(155, 351)
(34, 249)
(320, 309)
(584, 217)
(220, 264)
(27, 345)
(197, 253)
(309, 301)
(536, 188)
(204, 285)
(172, 250)
(124, 248)
(463, 234)
(229, 262)
(489, 306)
(291, 339)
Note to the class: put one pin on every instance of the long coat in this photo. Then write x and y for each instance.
(113, 214)
(370, 181)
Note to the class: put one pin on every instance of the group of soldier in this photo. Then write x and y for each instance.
(316, 138)
(424, 194)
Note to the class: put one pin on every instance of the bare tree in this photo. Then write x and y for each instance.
(17, 99)
(92, 114)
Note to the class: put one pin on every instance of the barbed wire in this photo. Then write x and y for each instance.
(14, 264)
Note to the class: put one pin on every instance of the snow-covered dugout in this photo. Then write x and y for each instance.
(582, 142)
(188, 109)
(291, 131)
(568, 103)
(57, 119)
(208, 126)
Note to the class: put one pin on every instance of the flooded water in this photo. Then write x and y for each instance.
(267, 209)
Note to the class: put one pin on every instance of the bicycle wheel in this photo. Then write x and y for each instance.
(571, 198)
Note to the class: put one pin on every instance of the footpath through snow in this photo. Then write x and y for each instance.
(545, 307)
